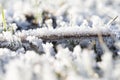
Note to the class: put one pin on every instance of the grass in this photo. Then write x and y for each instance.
(38, 15)
(3, 18)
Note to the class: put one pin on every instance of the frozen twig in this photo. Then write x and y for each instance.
(61, 33)
(56, 34)
(72, 36)
(64, 33)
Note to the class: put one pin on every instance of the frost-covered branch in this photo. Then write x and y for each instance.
(56, 34)
(7, 40)
(64, 33)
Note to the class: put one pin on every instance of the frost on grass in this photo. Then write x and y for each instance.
(60, 41)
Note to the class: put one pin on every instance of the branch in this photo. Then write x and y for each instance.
(53, 34)
(65, 33)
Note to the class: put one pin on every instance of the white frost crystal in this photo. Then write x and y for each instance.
(48, 48)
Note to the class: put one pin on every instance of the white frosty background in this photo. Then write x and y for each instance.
(79, 64)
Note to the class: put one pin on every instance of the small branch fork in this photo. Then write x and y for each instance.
(59, 34)
(53, 35)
